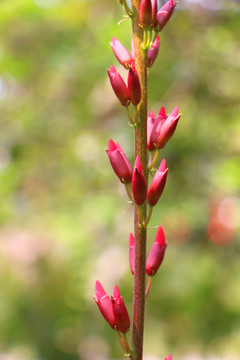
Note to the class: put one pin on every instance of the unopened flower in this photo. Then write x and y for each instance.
(157, 185)
(105, 304)
(134, 86)
(139, 188)
(153, 52)
(169, 357)
(164, 14)
(145, 14)
(161, 128)
(119, 86)
(121, 52)
(119, 162)
(120, 311)
(167, 128)
(131, 252)
(156, 253)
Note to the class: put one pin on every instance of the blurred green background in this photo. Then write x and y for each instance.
(64, 217)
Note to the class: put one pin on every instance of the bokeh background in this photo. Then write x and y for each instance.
(64, 217)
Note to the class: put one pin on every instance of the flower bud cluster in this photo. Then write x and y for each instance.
(126, 93)
(126, 59)
(153, 18)
(113, 310)
(156, 253)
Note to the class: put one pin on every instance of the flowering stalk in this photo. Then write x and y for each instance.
(151, 133)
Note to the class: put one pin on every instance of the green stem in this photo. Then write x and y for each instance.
(126, 7)
(128, 188)
(145, 223)
(135, 115)
(122, 342)
(154, 160)
(128, 349)
(148, 286)
(130, 115)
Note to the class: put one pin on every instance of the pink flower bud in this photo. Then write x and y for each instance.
(119, 162)
(156, 253)
(157, 185)
(153, 129)
(153, 52)
(168, 126)
(131, 252)
(150, 123)
(138, 183)
(164, 14)
(169, 357)
(134, 86)
(118, 85)
(121, 52)
(120, 311)
(145, 15)
(161, 129)
(105, 305)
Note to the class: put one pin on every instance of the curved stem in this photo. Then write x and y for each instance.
(127, 8)
(129, 115)
(154, 160)
(121, 340)
(145, 223)
(128, 349)
(148, 286)
(128, 188)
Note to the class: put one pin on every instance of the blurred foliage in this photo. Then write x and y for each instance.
(64, 217)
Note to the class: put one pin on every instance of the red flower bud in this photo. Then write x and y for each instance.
(145, 15)
(105, 305)
(156, 253)
(119, 162)
(157, 185)
(154, 12)
(150, 123)
(121, 52)
(134, 86)
(138, 183)
(120, 311)
(161, 129)
(131, 252)
(153, 128)
(153, 52)
(169, 357)
(168, 126)
(164, 14)
(118, 85)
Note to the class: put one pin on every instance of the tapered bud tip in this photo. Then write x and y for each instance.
(116, 292)
(175, 111)
(151, 114)
(169, 357)
(131, 240)
(138, 164)
(111, 145)
(163, 166)
(162, 112)
(99, 290)
(114, 39)
(160, 237)
(112, 69)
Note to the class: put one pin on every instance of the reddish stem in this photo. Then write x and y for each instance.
(139, 211)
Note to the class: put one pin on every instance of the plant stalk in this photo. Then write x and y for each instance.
(139, 211)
